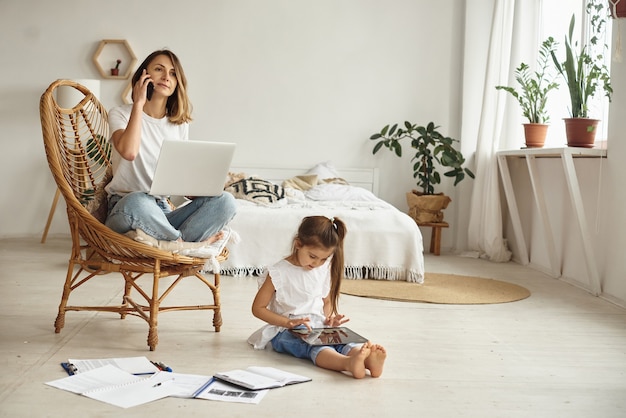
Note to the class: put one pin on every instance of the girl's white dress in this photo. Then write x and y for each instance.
(299, 292)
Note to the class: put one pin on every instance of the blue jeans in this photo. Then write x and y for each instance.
(286, 342)
(196, 221)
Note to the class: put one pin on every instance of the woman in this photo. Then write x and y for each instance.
(160, 110)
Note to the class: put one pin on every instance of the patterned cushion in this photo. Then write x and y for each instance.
(256, 190)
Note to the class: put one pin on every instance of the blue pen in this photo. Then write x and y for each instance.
(69, 368)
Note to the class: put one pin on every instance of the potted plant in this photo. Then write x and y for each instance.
(584, 72)
(98, 149)
(116, 70)
(618, 8)
(432, 149)
(533, 94)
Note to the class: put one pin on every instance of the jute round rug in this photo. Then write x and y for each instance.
(439, 288)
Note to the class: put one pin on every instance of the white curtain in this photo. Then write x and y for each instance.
(488, 125)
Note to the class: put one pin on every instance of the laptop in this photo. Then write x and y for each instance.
(328, 336)
(192, 168)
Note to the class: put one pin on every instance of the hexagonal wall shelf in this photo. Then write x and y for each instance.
(107, 54)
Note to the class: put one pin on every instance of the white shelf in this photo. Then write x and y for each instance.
(554, 152)
(567, 156)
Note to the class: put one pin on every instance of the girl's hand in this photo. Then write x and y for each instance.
(336, 320)
(294, 322)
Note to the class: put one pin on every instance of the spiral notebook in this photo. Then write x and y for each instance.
(117, 387)
(133, 365)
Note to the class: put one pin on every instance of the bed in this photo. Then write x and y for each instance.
(382, 242)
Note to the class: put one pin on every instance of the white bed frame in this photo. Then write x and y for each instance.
(366, 178)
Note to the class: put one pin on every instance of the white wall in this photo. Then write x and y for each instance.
(293, 82)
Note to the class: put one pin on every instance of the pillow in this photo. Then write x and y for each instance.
(294, 194)
(335, 180)
(301, 182)
(340, 192)
(233, 177)
(256, 190)
(191, 249)
(324, 170)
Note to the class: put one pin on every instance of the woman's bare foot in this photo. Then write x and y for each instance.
(210, 240)
(357, 361)
(376, 360)
(214, 238)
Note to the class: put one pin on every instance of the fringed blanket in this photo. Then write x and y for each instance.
(382, 242)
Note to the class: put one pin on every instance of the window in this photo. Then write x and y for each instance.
(555, 20)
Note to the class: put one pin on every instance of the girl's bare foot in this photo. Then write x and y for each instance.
(376, 360)
(357, 361)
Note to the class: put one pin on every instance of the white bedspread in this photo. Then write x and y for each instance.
(382, 242)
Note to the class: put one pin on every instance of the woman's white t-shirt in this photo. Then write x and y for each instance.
(299, 292)
(137, 175)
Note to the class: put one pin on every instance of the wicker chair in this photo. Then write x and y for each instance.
(77, 149)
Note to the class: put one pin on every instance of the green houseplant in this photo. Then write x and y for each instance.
(584, 72)
(432, 149)
(533, 94)
(98, 149)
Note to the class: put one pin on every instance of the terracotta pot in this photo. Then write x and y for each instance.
(425, 208)
(581, 132)
(620, 8)
(535, 134)
(115, 71)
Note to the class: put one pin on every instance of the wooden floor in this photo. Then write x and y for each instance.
(559, 353)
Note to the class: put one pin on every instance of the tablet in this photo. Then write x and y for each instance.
(328, 336)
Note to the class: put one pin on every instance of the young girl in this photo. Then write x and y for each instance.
(303, 290)
(160, 110)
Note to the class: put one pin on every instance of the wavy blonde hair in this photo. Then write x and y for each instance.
(178, 108)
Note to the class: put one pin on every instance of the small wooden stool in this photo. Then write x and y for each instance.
(435, 236)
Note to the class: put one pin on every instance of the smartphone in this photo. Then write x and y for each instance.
(150, 90)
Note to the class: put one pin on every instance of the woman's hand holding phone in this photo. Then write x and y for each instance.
(144, 88)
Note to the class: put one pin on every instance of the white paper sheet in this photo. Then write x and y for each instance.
(133, 365)
(117, 387)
